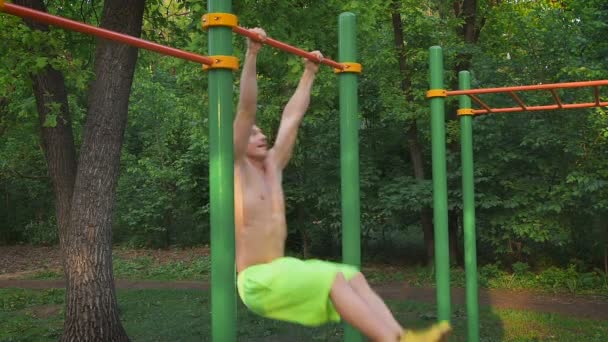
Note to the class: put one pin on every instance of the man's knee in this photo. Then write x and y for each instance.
(339, 283)
(339, 279)
(358, 281)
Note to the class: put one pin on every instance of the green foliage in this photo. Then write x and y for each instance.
(25, 189)
(46, 275)
(538, 182)
(18, 299)
(493, 276)
(144, 268)
(28, 207)
(165, 150)
(520, 268)
(552, 279)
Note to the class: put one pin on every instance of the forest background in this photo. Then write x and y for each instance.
(540, 178)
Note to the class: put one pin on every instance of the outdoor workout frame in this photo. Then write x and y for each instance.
(221, 23)
(437, 96)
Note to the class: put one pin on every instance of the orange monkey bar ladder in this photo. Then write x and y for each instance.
(473, 94)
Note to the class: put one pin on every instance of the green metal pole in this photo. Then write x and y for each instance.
(468, 198)
(440, 196)
(349, 152)
(221, 184)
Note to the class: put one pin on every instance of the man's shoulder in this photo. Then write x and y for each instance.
(242, 167)
(242, 163)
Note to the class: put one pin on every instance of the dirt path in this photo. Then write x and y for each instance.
(590, 307)
(18, 261)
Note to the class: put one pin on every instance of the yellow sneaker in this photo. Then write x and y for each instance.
(435, 333)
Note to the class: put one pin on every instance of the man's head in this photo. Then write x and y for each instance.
(257, 148)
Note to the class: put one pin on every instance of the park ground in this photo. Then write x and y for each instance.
(163, 296)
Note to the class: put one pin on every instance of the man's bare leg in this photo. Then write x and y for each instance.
(360, 285)
(436, 332)
(353, 309)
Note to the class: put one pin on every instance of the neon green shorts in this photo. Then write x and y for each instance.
(292, 290)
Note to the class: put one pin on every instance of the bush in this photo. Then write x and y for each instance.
(489, 272)
(554, 278)
(520, 268)
(42, 232)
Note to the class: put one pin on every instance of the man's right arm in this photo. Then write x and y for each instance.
(247, 106)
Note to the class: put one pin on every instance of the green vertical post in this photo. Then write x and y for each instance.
(349, 152)
(468, 199)
(440, 196)
(221, 183)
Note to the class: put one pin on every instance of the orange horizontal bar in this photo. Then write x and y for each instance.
(46, 18)
(287, 48)
(538, 108)
(528, 87)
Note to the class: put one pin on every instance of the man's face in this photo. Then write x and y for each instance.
(258, 146)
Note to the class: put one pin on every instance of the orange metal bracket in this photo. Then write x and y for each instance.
(472, 93)
(349, 67)
(436, 93)
(223, 62)
(219, 19)
(465, 111)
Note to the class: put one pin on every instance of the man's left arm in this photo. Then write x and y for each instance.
(293, 114)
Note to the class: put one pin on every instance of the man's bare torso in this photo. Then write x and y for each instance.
(259, 207)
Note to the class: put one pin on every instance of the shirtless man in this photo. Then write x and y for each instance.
(311, 292)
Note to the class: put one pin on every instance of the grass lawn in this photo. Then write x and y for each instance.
(184, 315)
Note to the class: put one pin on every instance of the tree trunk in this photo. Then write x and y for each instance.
(467, 10)
(606, 260)
(453, 229)
(470, 34)
(301, 223)
(605, 226)
(429, 235)
(57, 141)
(84, 195)
(168, 224)
(92, 309)
(414, 146)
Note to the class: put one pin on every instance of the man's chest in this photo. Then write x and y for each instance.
(260, 187)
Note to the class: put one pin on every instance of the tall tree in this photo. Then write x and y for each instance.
(57, 140)
(469, 32)
(415, 147)
(85, 192)
(88, 256)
